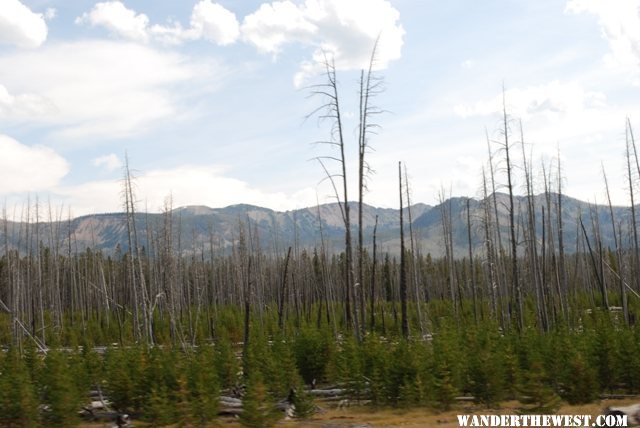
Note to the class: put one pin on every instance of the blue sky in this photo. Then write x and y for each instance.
(209, 98)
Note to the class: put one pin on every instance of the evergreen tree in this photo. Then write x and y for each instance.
(184, 405)
(18, 402)
(203, 386)
(628, 359)
(580, 384)
(124, 378)
(159, 409)
(61, 392)
(511, 371)
(313, 352)
(535, 393)
(304, 407)
(445, 389)
(226, 363)
(258, 410)
(486, 373)
(377, 367)
(402, 375)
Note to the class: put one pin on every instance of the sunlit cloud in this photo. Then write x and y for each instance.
(28, 168)
(20, 26)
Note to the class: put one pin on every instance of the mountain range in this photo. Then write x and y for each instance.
(203, 228)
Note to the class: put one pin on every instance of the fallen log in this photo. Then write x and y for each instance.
(230, 402)
(327, 392)
(465, 398)
(617, 396)
(230, 411)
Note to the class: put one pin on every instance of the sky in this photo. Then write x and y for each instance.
(210, 101)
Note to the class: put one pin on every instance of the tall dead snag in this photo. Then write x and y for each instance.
(564, 286)
(414, 255)
(492, 283)
(472, 276)
(331, 110)
(532, 240)
(594, 264)
(551, 271)
(515, 284)
(370, 86)
(595, 227)
(501, 275)
(283, 291)
(403, 266)
(619, 261)
(242, 266)
(631, 144)
(445, 217)
(372, 296)
(143, 327)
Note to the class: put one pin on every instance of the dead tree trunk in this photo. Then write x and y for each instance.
(403, 267)
(515, 283)
(283, 291)
(623, 289)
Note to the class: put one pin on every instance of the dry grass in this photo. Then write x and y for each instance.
(414, 418)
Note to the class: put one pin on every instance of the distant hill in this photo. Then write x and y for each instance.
(203, 228)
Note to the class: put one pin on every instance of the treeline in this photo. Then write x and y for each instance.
(59, 299)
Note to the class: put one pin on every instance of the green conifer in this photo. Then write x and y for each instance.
(580, 383)
(158, 409)
(486, 373)
(61, 392)
(445, 389)
(203, 386)
(18, 402)
(304, 406)
(226, 363)
(258, 410)
(535, 393)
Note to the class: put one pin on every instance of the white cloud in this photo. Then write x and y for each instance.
(620, 25)
(23, 106)
(468, 64)
(111, 162)
(345, 30)
(551, 99)
(28, 169)
(98, 89)
(121, 21)
(209, 21)
(20, 26)
(276, 24)
(188, 185)
(50, 13)
(214, 23)
(172, 34)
